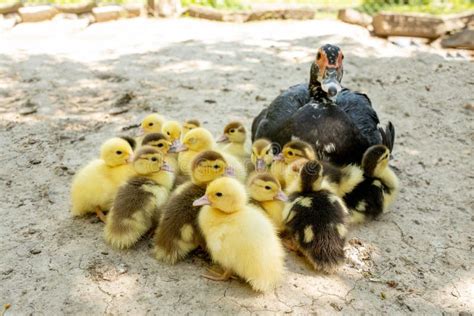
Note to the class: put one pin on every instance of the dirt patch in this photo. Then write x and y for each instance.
(417, 258)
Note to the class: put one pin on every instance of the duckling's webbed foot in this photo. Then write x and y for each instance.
(100, 214)
(217, 276)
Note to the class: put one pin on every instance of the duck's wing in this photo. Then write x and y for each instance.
(270, 120)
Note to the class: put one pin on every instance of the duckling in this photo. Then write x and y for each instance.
(152, 123)
(138, 203)
(316, 219)
(262, 155)
(265, 192)
(198, 140)
(162, 144)
(235, 138)
(172, 130)
(239, 237)
(340, 180)
(189, 125)
(95, 185)
(378, 189)
(291, 152)
(178, 233)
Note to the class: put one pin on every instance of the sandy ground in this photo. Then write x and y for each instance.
(417, 258)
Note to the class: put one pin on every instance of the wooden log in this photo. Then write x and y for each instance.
(6, 8)
(461, 39)
(80, 8)
(108, 13)
(352, 16)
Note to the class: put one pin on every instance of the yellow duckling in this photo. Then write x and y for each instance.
(239, 237)
(172, 130)
(152, 123)
(138, 203)
(262, 155)
(189, 125)
(199, 140)
(235, 137)
(178, 233)
(94, 186)
(266, 193)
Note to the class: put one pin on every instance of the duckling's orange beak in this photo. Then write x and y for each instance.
(281, 196)
(202, 201)
(222, 139)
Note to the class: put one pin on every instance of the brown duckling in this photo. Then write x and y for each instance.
(262, 155)
(178, 234)
(138, 203)
(234, 138)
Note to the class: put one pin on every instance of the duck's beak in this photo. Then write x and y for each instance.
(260, 165)
(230, 172)
(202, 201)
(166, 167)
(281, 196)
(278, 157)
(178, 147)
(222, 139)
(330, 84)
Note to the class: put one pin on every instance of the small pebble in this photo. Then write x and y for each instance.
(35, 251)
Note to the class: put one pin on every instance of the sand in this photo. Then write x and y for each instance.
(74, 81)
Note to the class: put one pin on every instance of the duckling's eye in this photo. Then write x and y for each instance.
(118, 152)
(167, 133)
(318, 56)
(218, 194)
(232, 130)
(267, 187)
(150, 124)
(290, 153)
(268, 152)
(216, 167)
(160, 145)
(153, 159)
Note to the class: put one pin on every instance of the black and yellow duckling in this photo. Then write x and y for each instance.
(160, 142)
(178, 234)
(240, 238)
(189, 125)
(234, 138)
(266, 193)
(316, 220)
(262, 155)
(137, 204)
(377, 191)
(94, 186)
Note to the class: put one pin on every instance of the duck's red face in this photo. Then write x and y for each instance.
(329, 62)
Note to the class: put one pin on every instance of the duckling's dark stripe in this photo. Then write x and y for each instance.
(194, 122)
(231, 125)
(265, 177)
(309, 174)
(146, 151)
(129, 140)
(206, 155)
(152, 137)
(372, 157)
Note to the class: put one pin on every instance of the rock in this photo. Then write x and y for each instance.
(205, 13)
(133, 10)
(416, 25)
(65, 16)
(281, 14)
(79, 8)
(35, 251)
(108, 13)
(29, 107)
(10, 20)
(6, 8)
(37, 13)
(169, 8)
(460, 39)
(352, 16)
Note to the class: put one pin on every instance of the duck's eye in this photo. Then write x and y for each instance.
(218, 194)
(118, 152)
(160, 145)
(216, 167)
(153, 159)
(267, 187)
(150, 124)
(290, 153)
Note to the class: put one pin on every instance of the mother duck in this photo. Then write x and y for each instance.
(289, 116)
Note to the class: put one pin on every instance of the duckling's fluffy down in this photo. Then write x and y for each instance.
(246, 243)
